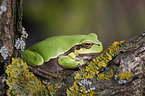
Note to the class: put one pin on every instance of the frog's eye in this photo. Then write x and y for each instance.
(87, 45)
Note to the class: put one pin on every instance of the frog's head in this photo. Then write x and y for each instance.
(82, 52)
(90, 45)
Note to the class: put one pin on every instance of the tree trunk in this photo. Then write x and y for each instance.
(10, 30)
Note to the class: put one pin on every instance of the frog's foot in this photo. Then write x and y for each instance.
(42, 73)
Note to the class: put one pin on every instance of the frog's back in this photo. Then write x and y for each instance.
(54, 46)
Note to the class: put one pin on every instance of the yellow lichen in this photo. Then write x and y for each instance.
(22, 82)
(109, 75)
(100, 77)
(52, 89)
(124, 75)
(104, 77)
(102, 64)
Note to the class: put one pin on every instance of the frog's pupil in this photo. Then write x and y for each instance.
(88, 43)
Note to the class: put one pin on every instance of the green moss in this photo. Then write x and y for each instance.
(125, 75)
(22, 82)
(101, 61)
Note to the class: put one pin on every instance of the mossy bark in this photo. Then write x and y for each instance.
(10, 29)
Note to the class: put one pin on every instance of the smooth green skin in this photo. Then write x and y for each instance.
(52, 47)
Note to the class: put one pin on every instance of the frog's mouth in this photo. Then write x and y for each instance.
(85, 57)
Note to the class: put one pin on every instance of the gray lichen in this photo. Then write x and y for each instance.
(87, 85)
(3, 7)
(4, 52)
(24, 33)
(20, 44)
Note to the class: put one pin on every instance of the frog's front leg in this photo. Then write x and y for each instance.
(69, 61)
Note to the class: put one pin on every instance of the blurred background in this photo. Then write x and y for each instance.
(111, 20)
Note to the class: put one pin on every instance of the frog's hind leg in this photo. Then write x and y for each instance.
(33, 58)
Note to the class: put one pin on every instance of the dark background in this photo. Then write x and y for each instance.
(111, 20)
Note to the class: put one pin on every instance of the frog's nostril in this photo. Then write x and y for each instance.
(98, 44)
